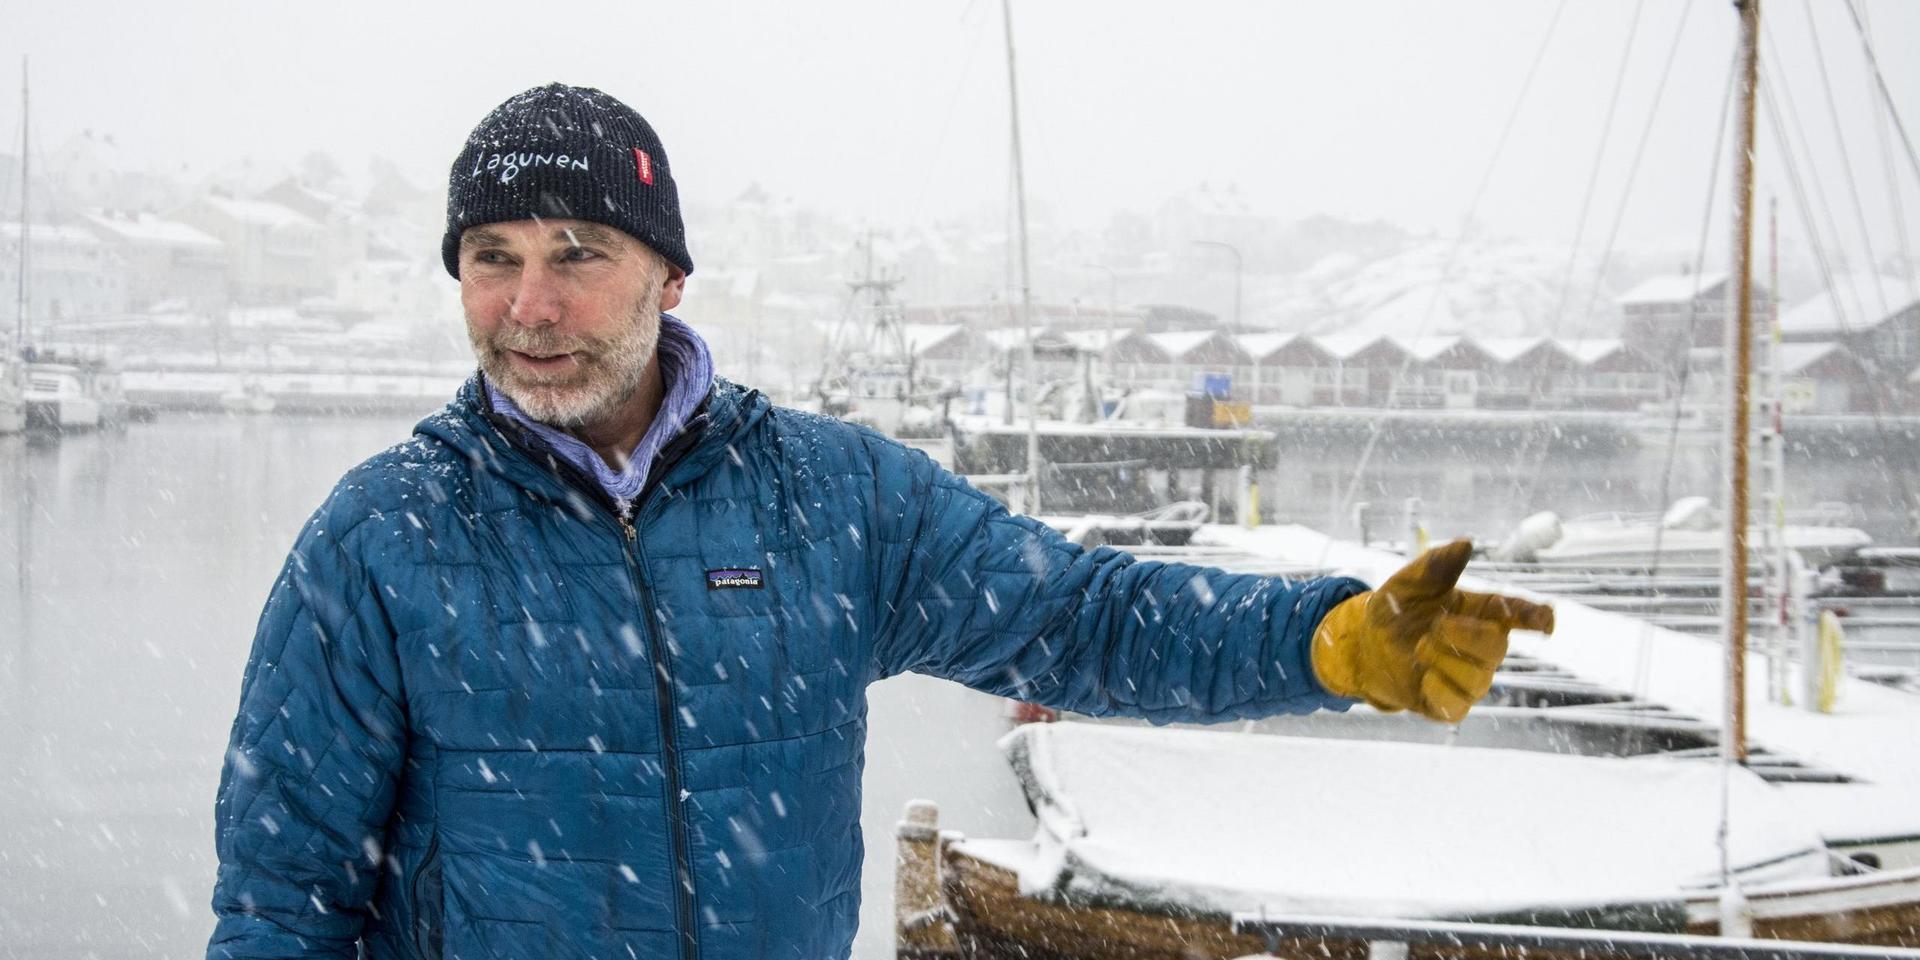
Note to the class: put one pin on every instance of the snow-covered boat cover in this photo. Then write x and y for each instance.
(1227, 821)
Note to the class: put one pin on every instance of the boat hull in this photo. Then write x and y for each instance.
(63, 413)
(992, 920)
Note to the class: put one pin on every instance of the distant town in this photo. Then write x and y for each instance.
(324, 290)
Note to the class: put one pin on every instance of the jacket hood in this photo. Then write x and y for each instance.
(467, 425)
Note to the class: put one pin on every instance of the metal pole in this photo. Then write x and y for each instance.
(1026, 278)
(1777, 463)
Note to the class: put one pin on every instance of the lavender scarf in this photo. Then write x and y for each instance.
(687, 368)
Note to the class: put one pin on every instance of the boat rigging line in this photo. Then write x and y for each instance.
(1793, 126)
(1877, 401)
(1846, 159)
(1599, 154)
(1447, 266)
(1526, 480)
(1644, 663)
(1886, 96)
(1893, 188)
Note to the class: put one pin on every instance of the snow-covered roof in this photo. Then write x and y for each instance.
(1865, 301)
(1094, 341)
(1589, 351)
(1177, 343)
(1425, 348)
(1797, 357)
(48, 233)
(1007, 338)
(1507, 349)
(1260, 346)
(1673, 288)
(264, 213)
(1344, 345)
(147, 228)
(1230, 821)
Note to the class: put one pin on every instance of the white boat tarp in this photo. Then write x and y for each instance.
(1235, 822)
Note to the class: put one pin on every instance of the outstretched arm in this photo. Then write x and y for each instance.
(313, 762)
(1006, 605)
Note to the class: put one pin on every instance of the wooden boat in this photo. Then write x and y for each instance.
(1119, 869)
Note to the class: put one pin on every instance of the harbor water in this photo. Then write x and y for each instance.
(133, 564)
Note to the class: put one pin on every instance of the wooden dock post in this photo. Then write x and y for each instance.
(922, 924)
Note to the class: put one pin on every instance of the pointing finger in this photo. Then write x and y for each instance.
(1511, 613)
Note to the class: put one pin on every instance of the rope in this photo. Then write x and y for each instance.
(1643, 662)
(1446, 270)
(1886, 98)
(1792, 117)
(1593, 175)
(1846, 160)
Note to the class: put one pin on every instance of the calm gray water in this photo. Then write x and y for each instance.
(133, 565)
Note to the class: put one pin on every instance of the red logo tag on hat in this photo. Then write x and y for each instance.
(643, 165)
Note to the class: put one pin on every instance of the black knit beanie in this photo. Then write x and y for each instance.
(572, 152)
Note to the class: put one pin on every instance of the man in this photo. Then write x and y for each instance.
(579, 670)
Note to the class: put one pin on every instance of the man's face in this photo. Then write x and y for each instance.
(564, 314)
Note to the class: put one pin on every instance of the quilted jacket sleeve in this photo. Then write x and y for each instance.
(1004, 604)
(313, 760)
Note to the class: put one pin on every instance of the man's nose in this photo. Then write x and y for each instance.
(536, 299)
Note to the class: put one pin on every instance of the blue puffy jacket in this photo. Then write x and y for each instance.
(485, 717)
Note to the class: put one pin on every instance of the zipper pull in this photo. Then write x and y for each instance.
(626, 517)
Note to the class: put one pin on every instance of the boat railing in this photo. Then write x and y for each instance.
(1827, 513)
(1391, 938)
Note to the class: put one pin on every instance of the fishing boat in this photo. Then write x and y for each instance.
(1691, 531)
(58, 398)
(874, 376)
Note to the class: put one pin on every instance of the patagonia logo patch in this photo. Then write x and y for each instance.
(734, 578)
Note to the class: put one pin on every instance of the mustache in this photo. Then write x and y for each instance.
(542, 342)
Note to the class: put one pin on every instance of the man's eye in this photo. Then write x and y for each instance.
(490, 256)
(580, 253)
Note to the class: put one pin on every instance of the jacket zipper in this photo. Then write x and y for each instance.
(670, 457)
(421, 935)
(669, 752)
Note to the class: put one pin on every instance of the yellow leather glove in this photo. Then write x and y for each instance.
(1418, 644)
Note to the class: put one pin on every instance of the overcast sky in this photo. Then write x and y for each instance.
(895, 110)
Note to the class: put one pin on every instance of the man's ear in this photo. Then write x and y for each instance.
(672, 290)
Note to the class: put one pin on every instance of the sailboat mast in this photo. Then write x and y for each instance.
(20, 298)
(1739, 360)
(1026, 278)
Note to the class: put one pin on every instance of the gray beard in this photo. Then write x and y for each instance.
(610, 369)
